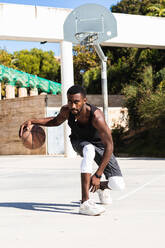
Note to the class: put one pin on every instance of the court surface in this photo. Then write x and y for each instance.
(39, 202)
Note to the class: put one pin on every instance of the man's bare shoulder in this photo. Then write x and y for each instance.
(64, 111)
(100, 124)
(98, 117)
(65, 108)
(98, 114)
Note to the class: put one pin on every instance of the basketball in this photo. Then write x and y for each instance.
(33, 137)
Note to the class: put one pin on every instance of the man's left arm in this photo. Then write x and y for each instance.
(106, 137)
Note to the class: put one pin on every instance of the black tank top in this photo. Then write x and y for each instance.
(85, 132)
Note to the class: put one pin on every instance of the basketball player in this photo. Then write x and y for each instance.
(91, 138)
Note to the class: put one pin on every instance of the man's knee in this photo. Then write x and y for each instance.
(116, 183)
(89, 151)
(88, 158)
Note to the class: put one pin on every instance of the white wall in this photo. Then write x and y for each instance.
(30, 23)
(139, 31)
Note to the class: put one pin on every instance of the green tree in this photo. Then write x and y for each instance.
(145, 102)
(92, 80)
(6, 59)
(84, 58)
(120, 67)
(151, 109)
(136, 7)
(39, 63)
(157, 9)
(159, 78)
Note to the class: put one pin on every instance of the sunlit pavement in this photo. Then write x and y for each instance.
(39, 203)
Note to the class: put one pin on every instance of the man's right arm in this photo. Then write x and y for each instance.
(48, 121)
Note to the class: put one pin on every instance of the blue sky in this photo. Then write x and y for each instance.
(12, 46)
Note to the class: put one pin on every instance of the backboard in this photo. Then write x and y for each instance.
(90, 24)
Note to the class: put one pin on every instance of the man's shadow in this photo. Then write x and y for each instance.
(43, 207)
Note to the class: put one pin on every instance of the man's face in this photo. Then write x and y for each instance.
(76, 103)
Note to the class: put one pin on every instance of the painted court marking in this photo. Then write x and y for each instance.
(139, 188)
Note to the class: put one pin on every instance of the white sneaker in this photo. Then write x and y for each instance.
(104, 196)
(90, 208)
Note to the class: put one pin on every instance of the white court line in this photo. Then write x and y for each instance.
(139, 188)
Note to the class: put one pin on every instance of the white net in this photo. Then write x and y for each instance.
(87, 38)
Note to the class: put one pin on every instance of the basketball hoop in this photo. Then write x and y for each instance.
(90, 25)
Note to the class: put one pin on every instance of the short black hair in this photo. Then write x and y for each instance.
(75, 89)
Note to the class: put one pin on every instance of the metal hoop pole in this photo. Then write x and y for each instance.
(103, 80)
(104, 89)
